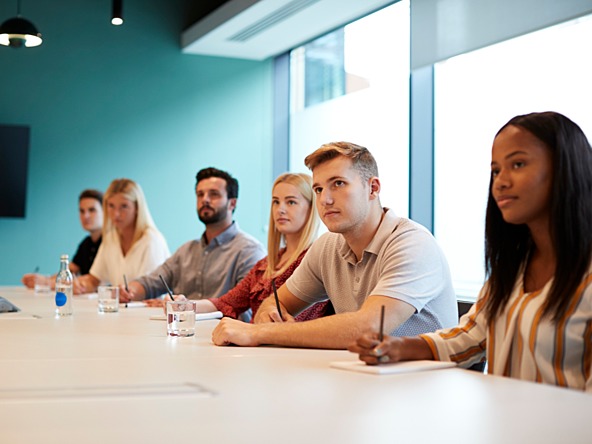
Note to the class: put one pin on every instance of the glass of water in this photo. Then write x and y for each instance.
(42, 285)
(180, 318)
(108, 299)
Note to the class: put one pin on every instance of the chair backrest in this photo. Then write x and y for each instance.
(463, 307)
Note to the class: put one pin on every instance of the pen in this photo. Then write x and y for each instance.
(167, 287)
(277, 301)
(125, 282)
(381, 331)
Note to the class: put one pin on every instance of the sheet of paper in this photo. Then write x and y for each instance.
(133, 304)
(198, 316)
(391, 369)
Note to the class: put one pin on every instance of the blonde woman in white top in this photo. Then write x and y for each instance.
(533, 318)
(132, 245)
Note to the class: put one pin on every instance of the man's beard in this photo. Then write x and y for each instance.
(214, 217)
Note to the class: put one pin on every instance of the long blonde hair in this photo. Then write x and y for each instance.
(131, 191)
(309, 232)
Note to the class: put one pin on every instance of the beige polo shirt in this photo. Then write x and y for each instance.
(403, 261)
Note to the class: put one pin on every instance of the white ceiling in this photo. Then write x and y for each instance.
(258, 29)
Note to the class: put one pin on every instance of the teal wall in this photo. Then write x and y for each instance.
(106, 102)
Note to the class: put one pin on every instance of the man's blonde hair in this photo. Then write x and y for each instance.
(362, 160)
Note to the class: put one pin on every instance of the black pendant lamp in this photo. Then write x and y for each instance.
(117, 15)
(18, 32)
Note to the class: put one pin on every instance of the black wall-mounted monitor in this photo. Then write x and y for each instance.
(14, 159)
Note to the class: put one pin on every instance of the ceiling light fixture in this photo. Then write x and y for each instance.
(18, 32)
(117, 16)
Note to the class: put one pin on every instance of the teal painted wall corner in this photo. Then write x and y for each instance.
(105, 102)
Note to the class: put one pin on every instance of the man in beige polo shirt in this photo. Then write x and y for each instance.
(370, 258)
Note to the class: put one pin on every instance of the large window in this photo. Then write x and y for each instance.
(475, 94)
(353, 85)
(318, 70)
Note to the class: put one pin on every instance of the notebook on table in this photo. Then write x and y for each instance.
(198, 316)
(392, 369)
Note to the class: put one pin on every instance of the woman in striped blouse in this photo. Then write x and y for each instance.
(533, 318)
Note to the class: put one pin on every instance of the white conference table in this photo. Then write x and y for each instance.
(117, 377)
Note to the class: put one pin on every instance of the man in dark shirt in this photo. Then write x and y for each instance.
(91, 218)
(90, 204)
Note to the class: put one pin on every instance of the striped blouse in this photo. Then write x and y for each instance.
(521, 343)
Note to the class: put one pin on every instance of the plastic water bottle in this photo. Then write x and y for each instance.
(63, 287)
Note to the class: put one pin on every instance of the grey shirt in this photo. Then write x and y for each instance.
(403, 261)
(200, 270)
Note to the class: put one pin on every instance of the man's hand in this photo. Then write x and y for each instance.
(337, 331)
(230, 331)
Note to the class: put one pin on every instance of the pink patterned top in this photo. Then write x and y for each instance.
(254, 288)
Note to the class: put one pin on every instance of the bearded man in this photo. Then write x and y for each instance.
(213, 264)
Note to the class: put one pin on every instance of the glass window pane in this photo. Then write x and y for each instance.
(475, 94)
(324, 71)
(353, 85)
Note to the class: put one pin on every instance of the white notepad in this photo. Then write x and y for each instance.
(198, 316)
(391, 369)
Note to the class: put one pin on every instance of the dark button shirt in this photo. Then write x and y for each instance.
(85, 255)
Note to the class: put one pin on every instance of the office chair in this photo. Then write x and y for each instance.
(463, 307)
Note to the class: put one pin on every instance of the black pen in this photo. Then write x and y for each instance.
(134, 304)
(126, 289)
(381, 330)
(277, 301)
(125, 282)
(167, 287)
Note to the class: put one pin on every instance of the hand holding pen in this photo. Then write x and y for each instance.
(381, 336)
(373, 347)
(272, 310)
(277, 301)
(180, 297)
(125, 295)
(29, 279)
(377, 348)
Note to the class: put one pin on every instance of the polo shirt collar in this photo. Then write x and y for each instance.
(388, 224)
